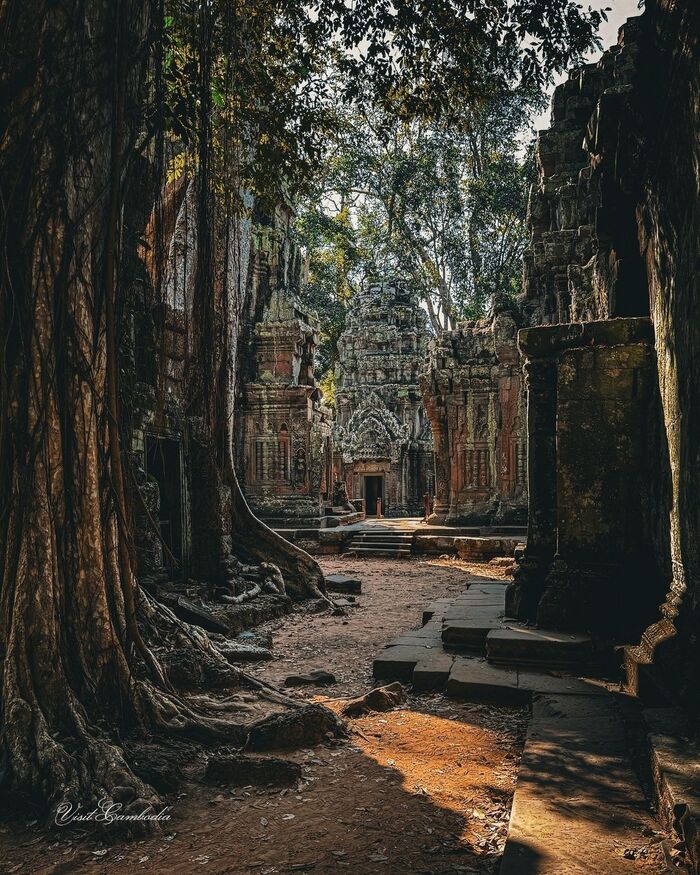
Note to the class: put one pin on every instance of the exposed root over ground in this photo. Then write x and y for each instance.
(424, 787)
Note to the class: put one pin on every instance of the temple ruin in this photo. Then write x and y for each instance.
(474, 397)
(609, 417)
(382, 441)
(183, 517)
(286, 433)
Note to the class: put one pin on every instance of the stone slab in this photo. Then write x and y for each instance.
(486, 548)
(396, 663)
(432, 641)
(474, 680)
(436, 610)
(578, 805)
(474, 597)
(526, 646)
(343, 583)
(478, 601)
(469, 634)
(473, 612)
(432, 673)
(564, 685)
(487, 583)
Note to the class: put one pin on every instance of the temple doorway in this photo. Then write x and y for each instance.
(164, 463)
(374, 489)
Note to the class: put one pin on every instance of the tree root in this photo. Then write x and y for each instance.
(302, 727)
(302, 574)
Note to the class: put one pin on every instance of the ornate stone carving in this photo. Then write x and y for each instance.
(473, 393)
(381, 422)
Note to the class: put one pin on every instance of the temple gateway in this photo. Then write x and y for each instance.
(383, 448)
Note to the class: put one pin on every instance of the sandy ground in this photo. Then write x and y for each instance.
(423, 788)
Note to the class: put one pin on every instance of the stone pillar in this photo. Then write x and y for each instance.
(437, 414)
(592, 406)
(523, 595)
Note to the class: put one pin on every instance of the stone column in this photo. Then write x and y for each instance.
(523, 594)
(437, 414)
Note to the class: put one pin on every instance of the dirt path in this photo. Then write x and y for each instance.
(423, 788)
(394, 594)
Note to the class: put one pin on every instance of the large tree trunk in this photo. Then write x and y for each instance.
(76, 672)
(67, 605)
(72, 654)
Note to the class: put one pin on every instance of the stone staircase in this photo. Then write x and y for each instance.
(578, 806)
(389, 544)
(468, 648)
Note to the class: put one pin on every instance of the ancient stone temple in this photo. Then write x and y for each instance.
(184, 516)
(593, 404)
(383, 444)
(287, 454)
(473, 394)
(610, 279)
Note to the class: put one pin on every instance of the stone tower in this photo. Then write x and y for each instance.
(383, 443)
(285, 453)
(473, 394)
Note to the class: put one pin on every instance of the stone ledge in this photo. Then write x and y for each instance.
(528, 646)
(675, 765)
(548, 340)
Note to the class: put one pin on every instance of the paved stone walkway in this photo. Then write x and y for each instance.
(579, 808)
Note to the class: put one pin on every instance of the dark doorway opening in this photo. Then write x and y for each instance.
(164, 463)
(374, 489)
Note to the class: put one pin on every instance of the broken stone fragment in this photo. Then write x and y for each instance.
(344, 602)
(379, 699)
(239, 771)
(343, 583)
(199, 616)
(237, 652)
(315, 678)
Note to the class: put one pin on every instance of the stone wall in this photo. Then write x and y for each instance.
(287, 451)
(185, 500)
(382, 435)
(583, 262)
(473, 394)
(592, 393)
(614, 523)
(668, 655)
(593, 407)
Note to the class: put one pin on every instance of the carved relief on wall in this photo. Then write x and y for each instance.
(481, 419)
(270, 456)
(477, 468)
(300, 467)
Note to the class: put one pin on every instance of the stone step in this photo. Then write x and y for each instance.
(396, 662)
(395, 545)
(473, 608)
(381, 543)
(420, 660)
(470, 634)
(385, 553)
(527, 646)
(462, 606)
(473, 679)
(432, 672)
